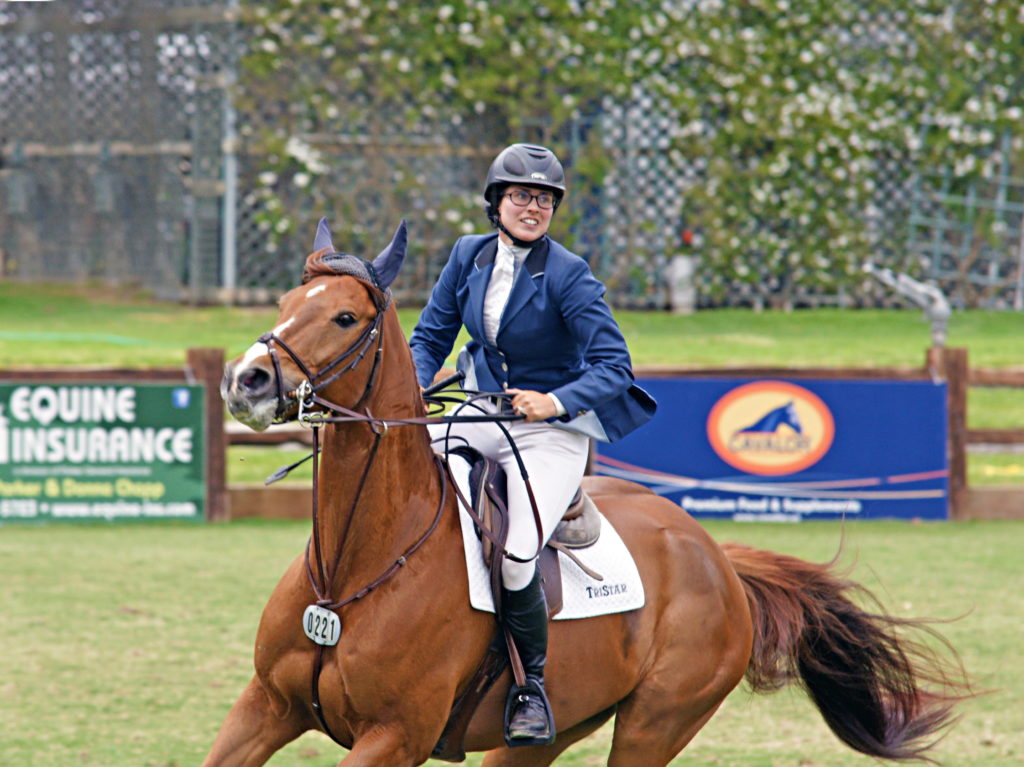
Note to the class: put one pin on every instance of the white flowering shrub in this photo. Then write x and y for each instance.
(793, 106)
(798, 105)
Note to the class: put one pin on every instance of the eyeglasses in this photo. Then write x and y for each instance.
(521, 198)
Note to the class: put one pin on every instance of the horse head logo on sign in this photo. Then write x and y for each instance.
(770, 428)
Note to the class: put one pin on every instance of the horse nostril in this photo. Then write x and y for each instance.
(254, 380)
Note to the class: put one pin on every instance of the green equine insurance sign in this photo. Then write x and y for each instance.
(101, 452)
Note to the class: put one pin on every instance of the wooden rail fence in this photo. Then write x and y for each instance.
(941, 364)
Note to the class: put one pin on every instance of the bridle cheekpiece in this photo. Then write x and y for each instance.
(304, 398)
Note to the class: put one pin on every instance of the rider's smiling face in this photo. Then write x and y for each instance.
(527, 222)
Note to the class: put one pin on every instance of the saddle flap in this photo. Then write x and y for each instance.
(487, 497)
(551, 579)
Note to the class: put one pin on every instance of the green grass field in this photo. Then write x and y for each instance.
(59, 325)
(124, 646)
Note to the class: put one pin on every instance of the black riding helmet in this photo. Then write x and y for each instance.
(526, 164)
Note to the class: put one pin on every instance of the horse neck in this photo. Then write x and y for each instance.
(381, 516)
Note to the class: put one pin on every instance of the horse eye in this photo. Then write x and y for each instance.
(345, 320)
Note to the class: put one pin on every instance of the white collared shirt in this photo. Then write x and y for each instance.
(507, 262)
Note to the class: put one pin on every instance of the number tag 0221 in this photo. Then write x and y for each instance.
(321, 625)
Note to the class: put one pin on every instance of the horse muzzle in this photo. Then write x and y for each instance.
(251, 394)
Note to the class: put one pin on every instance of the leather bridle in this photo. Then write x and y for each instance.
(314, 382)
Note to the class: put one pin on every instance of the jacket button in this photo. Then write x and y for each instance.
(504, 366)
(581, 412)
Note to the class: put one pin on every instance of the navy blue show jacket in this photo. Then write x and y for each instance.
(556, 335)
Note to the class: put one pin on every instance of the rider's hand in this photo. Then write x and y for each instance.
(535, 405)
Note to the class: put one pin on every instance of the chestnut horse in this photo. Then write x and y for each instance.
(388, 552)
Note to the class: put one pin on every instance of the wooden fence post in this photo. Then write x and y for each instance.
(207, 365)
(950, 365)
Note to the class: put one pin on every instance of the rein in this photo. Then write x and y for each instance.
(380, 426)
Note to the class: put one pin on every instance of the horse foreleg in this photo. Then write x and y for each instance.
(386, 746)
(252, 732)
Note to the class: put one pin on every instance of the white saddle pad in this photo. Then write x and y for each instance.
(582, 596)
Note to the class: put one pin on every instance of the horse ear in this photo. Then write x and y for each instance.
(323, 236)
(390, 259)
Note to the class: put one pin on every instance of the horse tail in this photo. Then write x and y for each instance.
(881, 692)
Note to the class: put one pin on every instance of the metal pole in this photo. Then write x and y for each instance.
(228, 245)
(1018, 294)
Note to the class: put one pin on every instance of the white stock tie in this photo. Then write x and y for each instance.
(499, 287)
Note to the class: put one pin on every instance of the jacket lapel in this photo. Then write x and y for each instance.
(524, 287)
(477, 284)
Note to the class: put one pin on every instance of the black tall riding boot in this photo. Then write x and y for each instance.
(528, 719)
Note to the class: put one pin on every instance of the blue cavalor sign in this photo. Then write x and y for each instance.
(788, 450)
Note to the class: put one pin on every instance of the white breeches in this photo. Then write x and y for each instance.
(555, 460)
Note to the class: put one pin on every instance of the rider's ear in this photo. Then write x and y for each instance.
(390, 259)
(323, 236)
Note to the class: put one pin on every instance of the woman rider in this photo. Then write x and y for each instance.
(541, 332)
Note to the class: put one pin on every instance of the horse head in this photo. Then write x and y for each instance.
(792, 418)
(770, 422)
(328, 334)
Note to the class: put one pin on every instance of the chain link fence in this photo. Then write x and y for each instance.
(121, 162)
(112, 132)
(969, 237)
